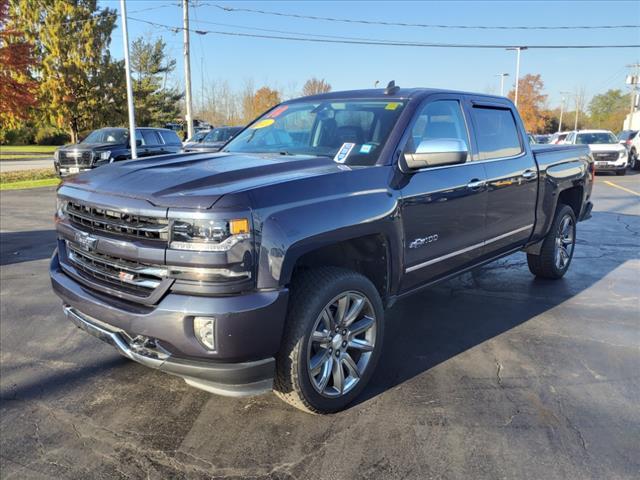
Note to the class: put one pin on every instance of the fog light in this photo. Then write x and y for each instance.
(204, 328)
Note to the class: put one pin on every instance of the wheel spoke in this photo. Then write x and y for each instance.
(351, 365)
(318, 360)
(320, 337)
(327, 319)
(326, 374)
(356, 307)
(362, 345)
(343, 304)
(362, 325)
(338, 376)
(564, 256)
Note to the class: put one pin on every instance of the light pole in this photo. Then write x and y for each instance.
(502, 75)
(127, 68)
(518, 50)
(564, 98)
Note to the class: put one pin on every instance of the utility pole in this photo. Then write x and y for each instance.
(187, 67)
(502, 75)
(127, 69)
(564, 98)
(518, 50)
(578, 98)
(633, 81)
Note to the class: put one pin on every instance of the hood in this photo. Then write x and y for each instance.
(606, 147)
(197, 180)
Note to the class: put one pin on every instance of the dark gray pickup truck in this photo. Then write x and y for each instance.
(269, 265)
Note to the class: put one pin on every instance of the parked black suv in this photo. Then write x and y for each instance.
(108, 145)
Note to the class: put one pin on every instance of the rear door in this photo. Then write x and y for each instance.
(152, 142)
(443, 207)
(512, 175)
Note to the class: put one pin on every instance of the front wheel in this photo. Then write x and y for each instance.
(557, 248)
(332, 342)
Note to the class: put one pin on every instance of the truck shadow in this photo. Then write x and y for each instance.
(26, 246)
(433, 326)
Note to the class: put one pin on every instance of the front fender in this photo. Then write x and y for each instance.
(288, 234)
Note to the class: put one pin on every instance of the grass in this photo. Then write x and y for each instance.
(43, 177)
(25, 149)
(22, 156)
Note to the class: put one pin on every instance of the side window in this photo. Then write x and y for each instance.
(439, 120)
(170, 137)
(139, 137)
(496, 133)
(150, 137)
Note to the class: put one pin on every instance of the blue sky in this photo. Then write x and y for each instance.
(288, 64)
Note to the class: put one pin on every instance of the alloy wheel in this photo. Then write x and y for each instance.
(341, 344)
(564, 242)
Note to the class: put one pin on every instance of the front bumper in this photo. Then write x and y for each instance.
(248, 332)
(610, 166)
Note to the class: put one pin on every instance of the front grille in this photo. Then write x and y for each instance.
(123, 275)
(118, 223)
(606, 156)
(74, 158)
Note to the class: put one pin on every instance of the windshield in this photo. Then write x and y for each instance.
(356, 129)
(198, 136)
(107, 135)
(595, 138)
(220, 134)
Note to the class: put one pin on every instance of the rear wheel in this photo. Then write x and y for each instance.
(557, 248)
(333, 337)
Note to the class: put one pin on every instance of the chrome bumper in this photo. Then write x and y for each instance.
(229, 379)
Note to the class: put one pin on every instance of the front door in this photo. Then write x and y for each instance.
(443, 208)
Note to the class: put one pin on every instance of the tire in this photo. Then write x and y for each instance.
(634, 162)
(621, 172)
(314, 307)
(547, 263)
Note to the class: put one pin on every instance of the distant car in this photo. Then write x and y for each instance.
(634, 153)
(542, 139)
(197, 138)
(107, 145)
(214, 140)
(626, 137)
(608, 154)
(558, 138)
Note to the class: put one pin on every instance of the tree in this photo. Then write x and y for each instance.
(608, 110)
(263, 99)
(313, 86)
(531, 102)
(80, 86)
(17, 86)
(155, 104)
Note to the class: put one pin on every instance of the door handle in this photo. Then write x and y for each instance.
(476, 184)
(529, 174)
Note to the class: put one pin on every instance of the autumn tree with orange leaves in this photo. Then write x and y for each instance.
(262, 100)
(531, 102)
(17, 86)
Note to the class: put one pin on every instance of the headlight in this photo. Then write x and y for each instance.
(61, 206)
(208, 235)
(623, 153)
(105, 155)
(56, 155)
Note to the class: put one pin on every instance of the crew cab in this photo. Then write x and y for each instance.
(608, 153)
(269, 265)
(107, 145)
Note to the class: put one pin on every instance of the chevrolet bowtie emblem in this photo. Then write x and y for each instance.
(86, 241)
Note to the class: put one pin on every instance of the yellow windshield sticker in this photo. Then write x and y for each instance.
(392, 106)
(262, 123)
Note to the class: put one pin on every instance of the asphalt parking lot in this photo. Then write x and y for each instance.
(491, 375)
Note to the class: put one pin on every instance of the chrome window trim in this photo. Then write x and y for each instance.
(466, 249)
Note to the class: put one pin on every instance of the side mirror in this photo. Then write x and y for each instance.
(437, 152)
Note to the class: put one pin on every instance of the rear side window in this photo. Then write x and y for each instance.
(496, 133)
(170, 137)
(150, 137)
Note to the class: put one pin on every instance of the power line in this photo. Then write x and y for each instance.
(420, 25)
(394, 43)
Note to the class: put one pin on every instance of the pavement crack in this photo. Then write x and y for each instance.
(498, 371)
